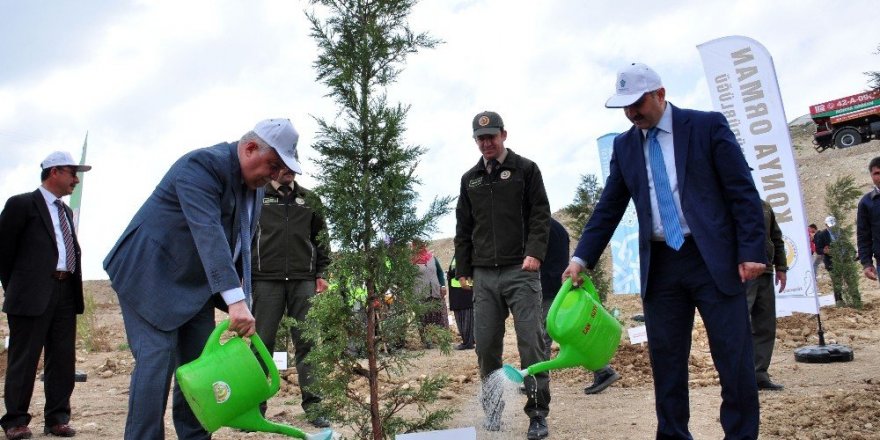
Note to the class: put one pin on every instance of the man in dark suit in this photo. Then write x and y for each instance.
(701, 237)
(186, 249)
(40, 269)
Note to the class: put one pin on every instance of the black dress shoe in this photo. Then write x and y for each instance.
(602, 379)
(464, 346)
(770, 386)
(60, 430)
(537, 428)
(18, 432)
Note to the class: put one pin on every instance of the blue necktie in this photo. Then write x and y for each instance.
(245, 221)
(665, 202)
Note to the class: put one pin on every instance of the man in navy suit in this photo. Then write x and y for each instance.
(701, 237)
(41, 274)
(186, 249)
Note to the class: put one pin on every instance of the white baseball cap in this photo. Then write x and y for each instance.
(280, 135)
(633, 81)
(830, 221)
(62, 159)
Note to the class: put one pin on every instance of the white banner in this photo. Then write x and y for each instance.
(742, 82)
(626, 277)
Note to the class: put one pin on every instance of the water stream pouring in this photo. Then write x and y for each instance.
(587, 334)
(227, 383)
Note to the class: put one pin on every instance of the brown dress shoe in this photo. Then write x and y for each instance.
(60, 430)
(18, 432)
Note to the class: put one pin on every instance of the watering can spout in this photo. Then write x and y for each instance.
(563, 360)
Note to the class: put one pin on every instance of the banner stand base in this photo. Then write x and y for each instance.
(823, 354)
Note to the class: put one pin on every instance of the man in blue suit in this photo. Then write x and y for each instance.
(187, 249)
(701, 237)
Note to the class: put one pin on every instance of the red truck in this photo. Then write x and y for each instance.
(848, 121)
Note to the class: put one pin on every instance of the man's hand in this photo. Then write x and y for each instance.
(320, 285)
(574, 271)
(871, 272)
(531, 264)
(241, 320)
(750, 270)
(466, 283)
(780, 280)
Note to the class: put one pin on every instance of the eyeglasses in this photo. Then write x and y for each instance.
(71, 171)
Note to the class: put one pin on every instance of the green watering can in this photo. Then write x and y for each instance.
(587, 334)
(226, 384)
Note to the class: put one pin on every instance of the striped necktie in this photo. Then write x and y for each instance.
(245, 232)
(665, 202)
(68, 236)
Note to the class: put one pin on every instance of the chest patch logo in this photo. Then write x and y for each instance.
(505, 174)
(475, 182)
(300, 201)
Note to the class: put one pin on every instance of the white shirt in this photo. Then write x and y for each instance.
(664, 136)
(50, 198)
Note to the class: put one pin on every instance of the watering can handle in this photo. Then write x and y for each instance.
(560, 298)
(587, 285)
(256, 342)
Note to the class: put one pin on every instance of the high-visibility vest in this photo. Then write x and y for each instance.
(453, 281)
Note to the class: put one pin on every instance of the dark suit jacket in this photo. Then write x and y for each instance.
(718, 196)
(556, 260)
(177, 251)
(29, 255)
(822, 239)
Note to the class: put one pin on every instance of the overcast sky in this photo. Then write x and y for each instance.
(151, 80)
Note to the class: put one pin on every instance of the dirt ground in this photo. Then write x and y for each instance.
(820, 401)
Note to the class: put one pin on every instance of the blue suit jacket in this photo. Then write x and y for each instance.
(177, 250)
(718, 196)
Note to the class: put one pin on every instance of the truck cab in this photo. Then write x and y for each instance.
(848, 121)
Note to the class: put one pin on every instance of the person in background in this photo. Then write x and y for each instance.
(551, 273)
(461, 302)
(761, 294)
(186, 250)
(503, 222)
(868, 224)
(290, 257)
(816, 258)
(431, 288)
(41, 274)
(823, 240)
(701, 238)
